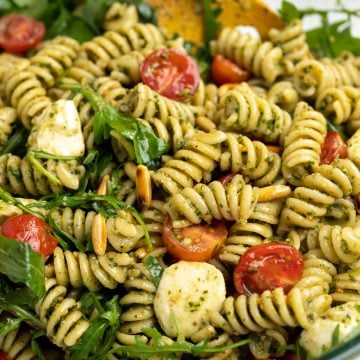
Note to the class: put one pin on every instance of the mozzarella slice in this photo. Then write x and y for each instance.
(187, 294)
(58, 130)
(353, 150)
(318, 338)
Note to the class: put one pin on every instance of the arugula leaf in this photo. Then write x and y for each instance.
(23, 312)
(155, 269)
(94, 11)
(16, 142)
(144, 351)
(100, 336)
(36, 348)
(22, 265)
(211, 23)
(9, 324)
(289, 11)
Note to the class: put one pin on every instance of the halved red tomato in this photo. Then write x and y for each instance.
(32, 230)
(268, 266)
(334, 147)
(196, 242)
(226, 179)
(3, 356)
(171, 73)
(19, 33)
(224, 71)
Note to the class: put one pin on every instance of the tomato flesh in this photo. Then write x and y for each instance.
(334, 147)
(19, 33)
(32, 230)
(268, 266)
(170, 73)
(196, 242)
(224, 71)
(3, 356)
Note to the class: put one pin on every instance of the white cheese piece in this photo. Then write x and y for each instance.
(353, 150)
(58, 130)
(187, 294)
(317, 339)
(249, 30)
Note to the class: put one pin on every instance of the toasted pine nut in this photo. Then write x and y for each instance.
(130, 170)
(99, 234)
(141, 252)
(102, 189)
(143, 186)
(273, 192)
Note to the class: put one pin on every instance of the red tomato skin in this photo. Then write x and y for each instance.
(171, 73)
(3, 356)
(334, 147)
(226, 179)
(268, 266)
(32, 230)
(224, 71)
(19, 33)
(207, 240)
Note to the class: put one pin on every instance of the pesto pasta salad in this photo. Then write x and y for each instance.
(161, 199)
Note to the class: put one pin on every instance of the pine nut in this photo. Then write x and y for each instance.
(99, 234)
(102, 189)
(273, 192)
(143, 186)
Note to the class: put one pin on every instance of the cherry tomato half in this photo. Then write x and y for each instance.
(226, 179)
(334, 147)
(19, 33)
(268, 266)
(170, 73)
(3, 356)
(32, 230)
(224, 71)
(196, 242)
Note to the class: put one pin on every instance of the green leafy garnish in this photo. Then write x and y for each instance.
(155, 269)
(211, 23)
(22, 265)
(16, 142)
(100, 336)
(330, 39)
(148, 147)
(144, 351)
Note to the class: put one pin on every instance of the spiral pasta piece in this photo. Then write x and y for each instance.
(53, 58)
(309, 202)
(312, 77)
(123, 231)
(241, 110)
(137, 305)
(61, 314)
(19, 177)
(24, 92)
(7, 119)
(120, 17)
(260, 58)
(193, 163)
(250, 158)
(235, 201)
(284, 94)
(241, 238)
(340, 104)
(347, 286)
(292, 40)
(270, 310)
(337, 244)
(302, 144)
(17, 344)
(143, 102)
(91, 271)
(267, 343)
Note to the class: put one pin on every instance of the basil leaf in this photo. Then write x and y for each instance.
(22, 265)
(155, 269)
(289, 11)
